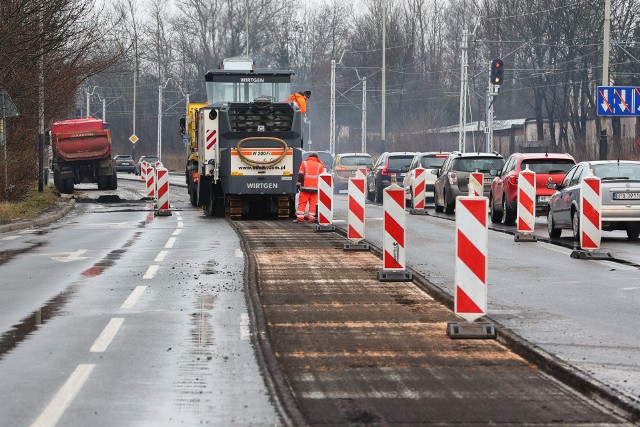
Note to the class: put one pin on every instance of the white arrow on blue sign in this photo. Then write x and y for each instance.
(618, 101)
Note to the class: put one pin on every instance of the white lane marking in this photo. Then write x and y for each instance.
(107, 335)
(244, 327)
(239, 253)
(133, 298)
(151, 271)
(160, 256)
(176, 232)
(170, 243)
(555, 249)
(70, 256)
(180, 224)
(63, 398)
(11, 237)
(635, 288)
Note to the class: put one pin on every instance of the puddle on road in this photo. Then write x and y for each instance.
(8, 255)
(19, 332)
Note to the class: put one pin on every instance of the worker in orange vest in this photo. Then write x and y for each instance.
(300, 98)
(310, 170)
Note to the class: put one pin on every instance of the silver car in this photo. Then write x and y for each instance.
(620, 191)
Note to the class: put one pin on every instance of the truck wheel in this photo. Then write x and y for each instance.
(379, 192)
(67, 186)
(193, 197)
(57, 182)
(113, 182)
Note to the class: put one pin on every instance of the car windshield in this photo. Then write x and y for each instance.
(124, 158)
(399, 162)
(481, 164)
(617, 171)
(548, 166)
(149, 159)
(356, 161)
(429, 162)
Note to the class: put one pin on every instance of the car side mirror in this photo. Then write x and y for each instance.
(435, 172)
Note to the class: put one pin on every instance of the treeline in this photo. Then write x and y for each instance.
(552, 50)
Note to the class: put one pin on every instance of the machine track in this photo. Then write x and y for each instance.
(342, 348)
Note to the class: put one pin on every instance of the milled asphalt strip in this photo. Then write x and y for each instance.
(63, 398)
(133, 298)
(107, 335)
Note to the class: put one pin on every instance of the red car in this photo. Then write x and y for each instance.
(549, 167)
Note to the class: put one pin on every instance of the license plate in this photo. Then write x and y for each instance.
(488, 180)
(626, 196)
(543, 198)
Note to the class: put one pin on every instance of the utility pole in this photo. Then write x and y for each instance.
(364, 114)
(159, 145)
(463, 92)
(135, 80)
(383, 131)
(89, 95)
(604, 148)
(492, 91)
(332, 119)
(246, 5)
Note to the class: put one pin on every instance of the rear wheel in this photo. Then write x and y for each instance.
(508, 216)
(113, 182)
(551, 227)
(496, 216)
(449, 205)
(67, 186)
(437, 208)
(193, 197)
(379, 191)
(575, 225)
(102, 182)
(633, 232)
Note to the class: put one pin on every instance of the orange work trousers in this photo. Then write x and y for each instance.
(312, 200)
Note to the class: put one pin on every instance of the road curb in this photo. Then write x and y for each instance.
(61, 208)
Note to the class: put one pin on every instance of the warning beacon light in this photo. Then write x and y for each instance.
(497, 72)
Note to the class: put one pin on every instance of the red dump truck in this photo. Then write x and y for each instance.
(82, 153)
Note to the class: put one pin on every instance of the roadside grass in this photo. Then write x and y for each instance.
(28, 208)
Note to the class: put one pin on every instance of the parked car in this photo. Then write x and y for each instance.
(620, 192)
(149, 159)
(325, 156)
(453, 177)
(503, 198)
(387, 165)
(345, 166)
(429, 161)
(124, 163)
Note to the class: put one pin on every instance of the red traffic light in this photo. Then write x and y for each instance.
(497, 71)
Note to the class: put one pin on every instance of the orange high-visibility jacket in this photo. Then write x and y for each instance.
(299, 99)
(309, 172)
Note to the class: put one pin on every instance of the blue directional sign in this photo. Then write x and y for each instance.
(618, 101)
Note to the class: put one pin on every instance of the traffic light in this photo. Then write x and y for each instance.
(497, 72)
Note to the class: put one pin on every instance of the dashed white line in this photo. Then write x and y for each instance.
(106, 336)
(63, 398)
(239, 253)
(244, 327)
(180, 224)
(176, 232)
(170, 243)
(10, 237)
(133, 298)
(151, 271)
(160, 256)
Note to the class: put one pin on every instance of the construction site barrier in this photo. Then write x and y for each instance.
(143, 170)
(325, 202)
(476, 184)
(393, 240)
(590, 213)
(162, 206)
(526, 207)
(150, 175)
(355, 216)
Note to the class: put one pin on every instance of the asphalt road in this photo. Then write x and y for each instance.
(585, 312)
(113, 316)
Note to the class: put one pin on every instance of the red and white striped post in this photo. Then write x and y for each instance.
(325, 202)
(526, 209)
(472, 241)
(355, 215)
(418, 192)
(150, 175)
(590, 222)
(393, 239)
(143, 170)
(162, 207)
(476, 184)
(590, 213)
(361, 173)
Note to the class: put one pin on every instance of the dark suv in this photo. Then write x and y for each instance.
(453, 178)
(387, 165)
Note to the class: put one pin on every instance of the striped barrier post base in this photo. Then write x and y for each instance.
(590, 220)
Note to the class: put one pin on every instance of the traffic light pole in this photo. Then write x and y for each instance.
(492, 92)
(604, 147)
(463, 93)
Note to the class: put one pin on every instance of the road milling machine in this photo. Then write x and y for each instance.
(249, 143)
